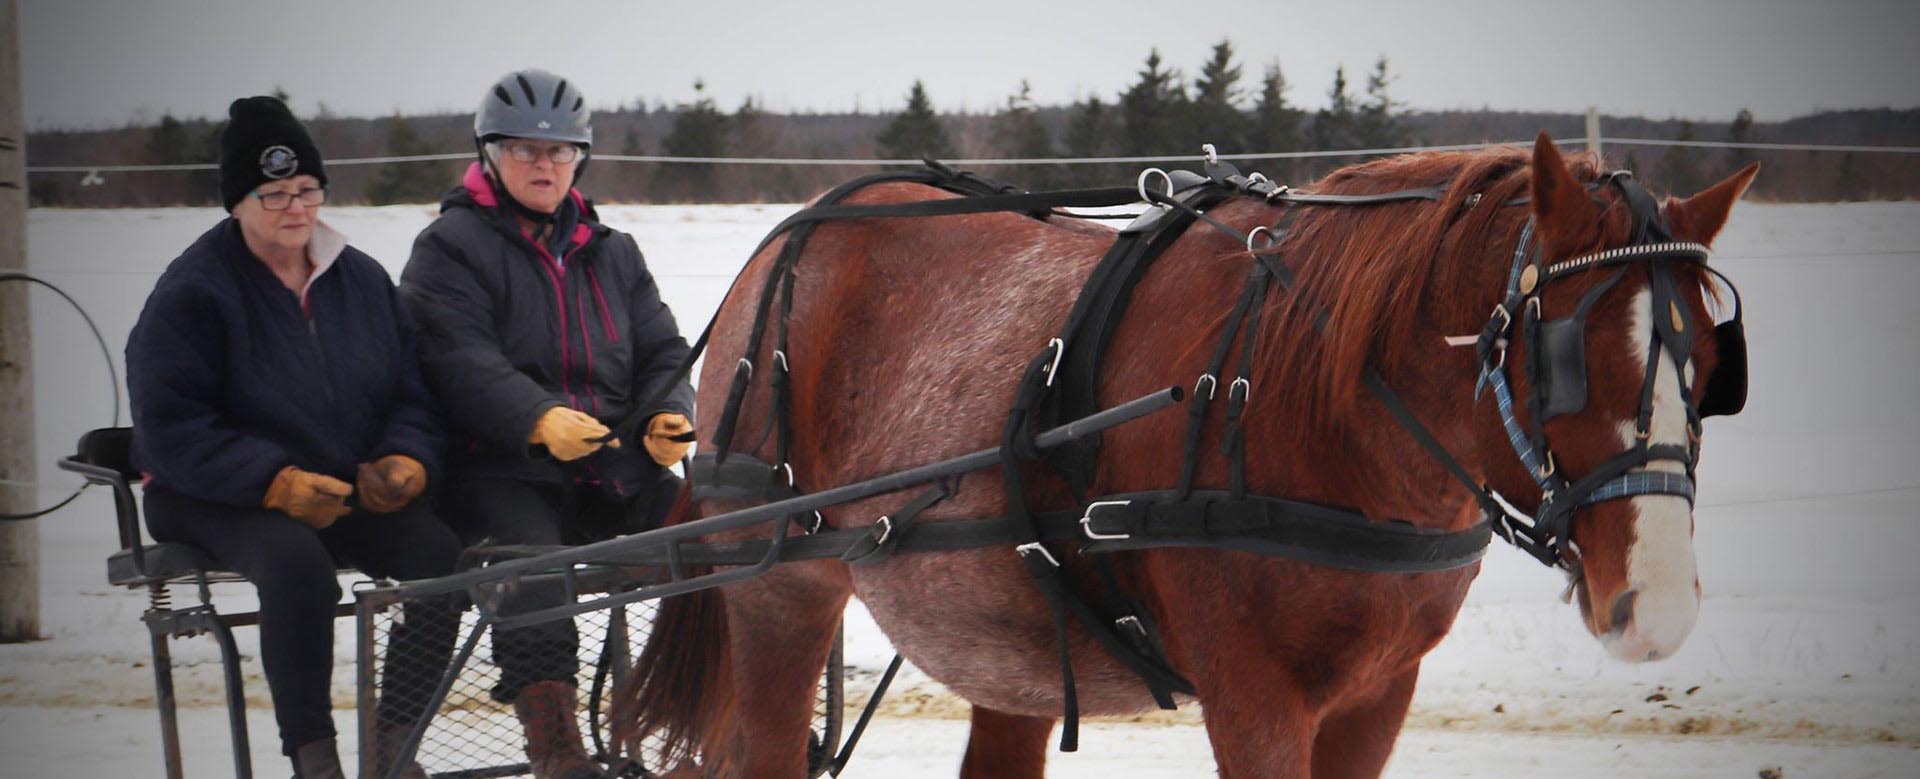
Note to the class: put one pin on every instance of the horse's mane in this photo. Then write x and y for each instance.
(1392, 278)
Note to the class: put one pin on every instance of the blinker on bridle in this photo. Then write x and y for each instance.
(1555, 366)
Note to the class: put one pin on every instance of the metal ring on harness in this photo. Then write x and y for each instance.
(1086, 521)
(1256, 233)
(1141, 183)
(1059, 348)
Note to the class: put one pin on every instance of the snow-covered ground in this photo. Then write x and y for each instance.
(1807, 654)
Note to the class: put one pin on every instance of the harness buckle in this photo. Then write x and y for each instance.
(781, 358)
(885, 524)
(819, 521)
(1245, 387)
(1505, 316)
(1027, 549)
(1086, 521)
(747, 364)
(1132, 624)
(788, 467)
(1548, 468)
(1059, 348)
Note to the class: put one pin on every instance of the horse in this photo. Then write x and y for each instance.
(908, 336)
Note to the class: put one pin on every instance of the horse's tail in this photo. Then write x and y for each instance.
(680, 691)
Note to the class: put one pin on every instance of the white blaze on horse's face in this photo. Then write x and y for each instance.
(1662, 576)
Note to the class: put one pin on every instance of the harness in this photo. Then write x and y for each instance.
(1059, 382)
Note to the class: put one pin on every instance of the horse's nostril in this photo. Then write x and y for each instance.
(1622, 613)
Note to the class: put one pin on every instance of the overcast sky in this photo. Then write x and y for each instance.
(96, 64)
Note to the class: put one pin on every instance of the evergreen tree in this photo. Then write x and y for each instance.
(1216, 113)
(1153, 113)
(171, 142)
(1741, 131)
(167, 142)
(753, 132)
(1091, 132)
(1680, 166)
(915, 132)
(1019, 133)
(1334, 127)
(1375, 125)
(405, 182)
(1276, 125)
(699, 130)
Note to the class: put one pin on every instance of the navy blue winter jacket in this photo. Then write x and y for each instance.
(510, 329)
(232, 376)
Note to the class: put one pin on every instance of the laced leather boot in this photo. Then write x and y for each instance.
(547, 711)
(317, 759)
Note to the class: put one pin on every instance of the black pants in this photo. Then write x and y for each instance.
(506, 511)
(293, 568)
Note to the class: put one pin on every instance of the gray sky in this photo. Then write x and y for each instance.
(95, 64)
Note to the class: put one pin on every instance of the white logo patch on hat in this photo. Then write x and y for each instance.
(546, 125)
(278, 162)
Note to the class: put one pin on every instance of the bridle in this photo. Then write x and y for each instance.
(1555, 368)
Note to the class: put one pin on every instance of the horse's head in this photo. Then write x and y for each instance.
(1612, 362)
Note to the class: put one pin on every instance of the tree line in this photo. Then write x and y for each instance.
(1162, 112)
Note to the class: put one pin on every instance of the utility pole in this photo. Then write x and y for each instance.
(19, 540)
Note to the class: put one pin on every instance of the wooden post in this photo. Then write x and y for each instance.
(1593, 131)
(19, 540)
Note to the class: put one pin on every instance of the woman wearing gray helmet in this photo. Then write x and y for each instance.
(539, 327)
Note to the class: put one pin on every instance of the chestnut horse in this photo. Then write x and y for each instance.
(908, 337)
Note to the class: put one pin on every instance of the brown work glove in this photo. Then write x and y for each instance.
(388, 484)
(314, 498)
(660, 432)
(564, 432)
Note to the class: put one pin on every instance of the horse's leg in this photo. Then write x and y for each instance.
(1257, 733)
(1354, 742)
(1006, 746)
(782, 627)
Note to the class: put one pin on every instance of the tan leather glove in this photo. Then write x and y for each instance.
(314, 498)
(564, 432)
(388, 484)
(660, 444)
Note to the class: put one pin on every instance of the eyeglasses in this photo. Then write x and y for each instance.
(528, 153)
(279, 200)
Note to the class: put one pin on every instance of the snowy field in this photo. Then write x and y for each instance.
(1806, 657)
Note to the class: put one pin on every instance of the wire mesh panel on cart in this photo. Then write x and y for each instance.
(473, 733)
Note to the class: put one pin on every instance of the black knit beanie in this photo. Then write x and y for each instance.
(263, 142)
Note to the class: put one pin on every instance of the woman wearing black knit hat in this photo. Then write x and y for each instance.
(284, 429)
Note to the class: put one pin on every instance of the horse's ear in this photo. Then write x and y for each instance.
(1565, 216)
(1699, 218)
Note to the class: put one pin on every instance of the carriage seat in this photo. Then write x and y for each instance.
(104, 457)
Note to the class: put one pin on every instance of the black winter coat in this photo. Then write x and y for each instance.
(508, 330)
(232, 376)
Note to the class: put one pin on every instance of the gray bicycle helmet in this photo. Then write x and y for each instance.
(534, 104)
